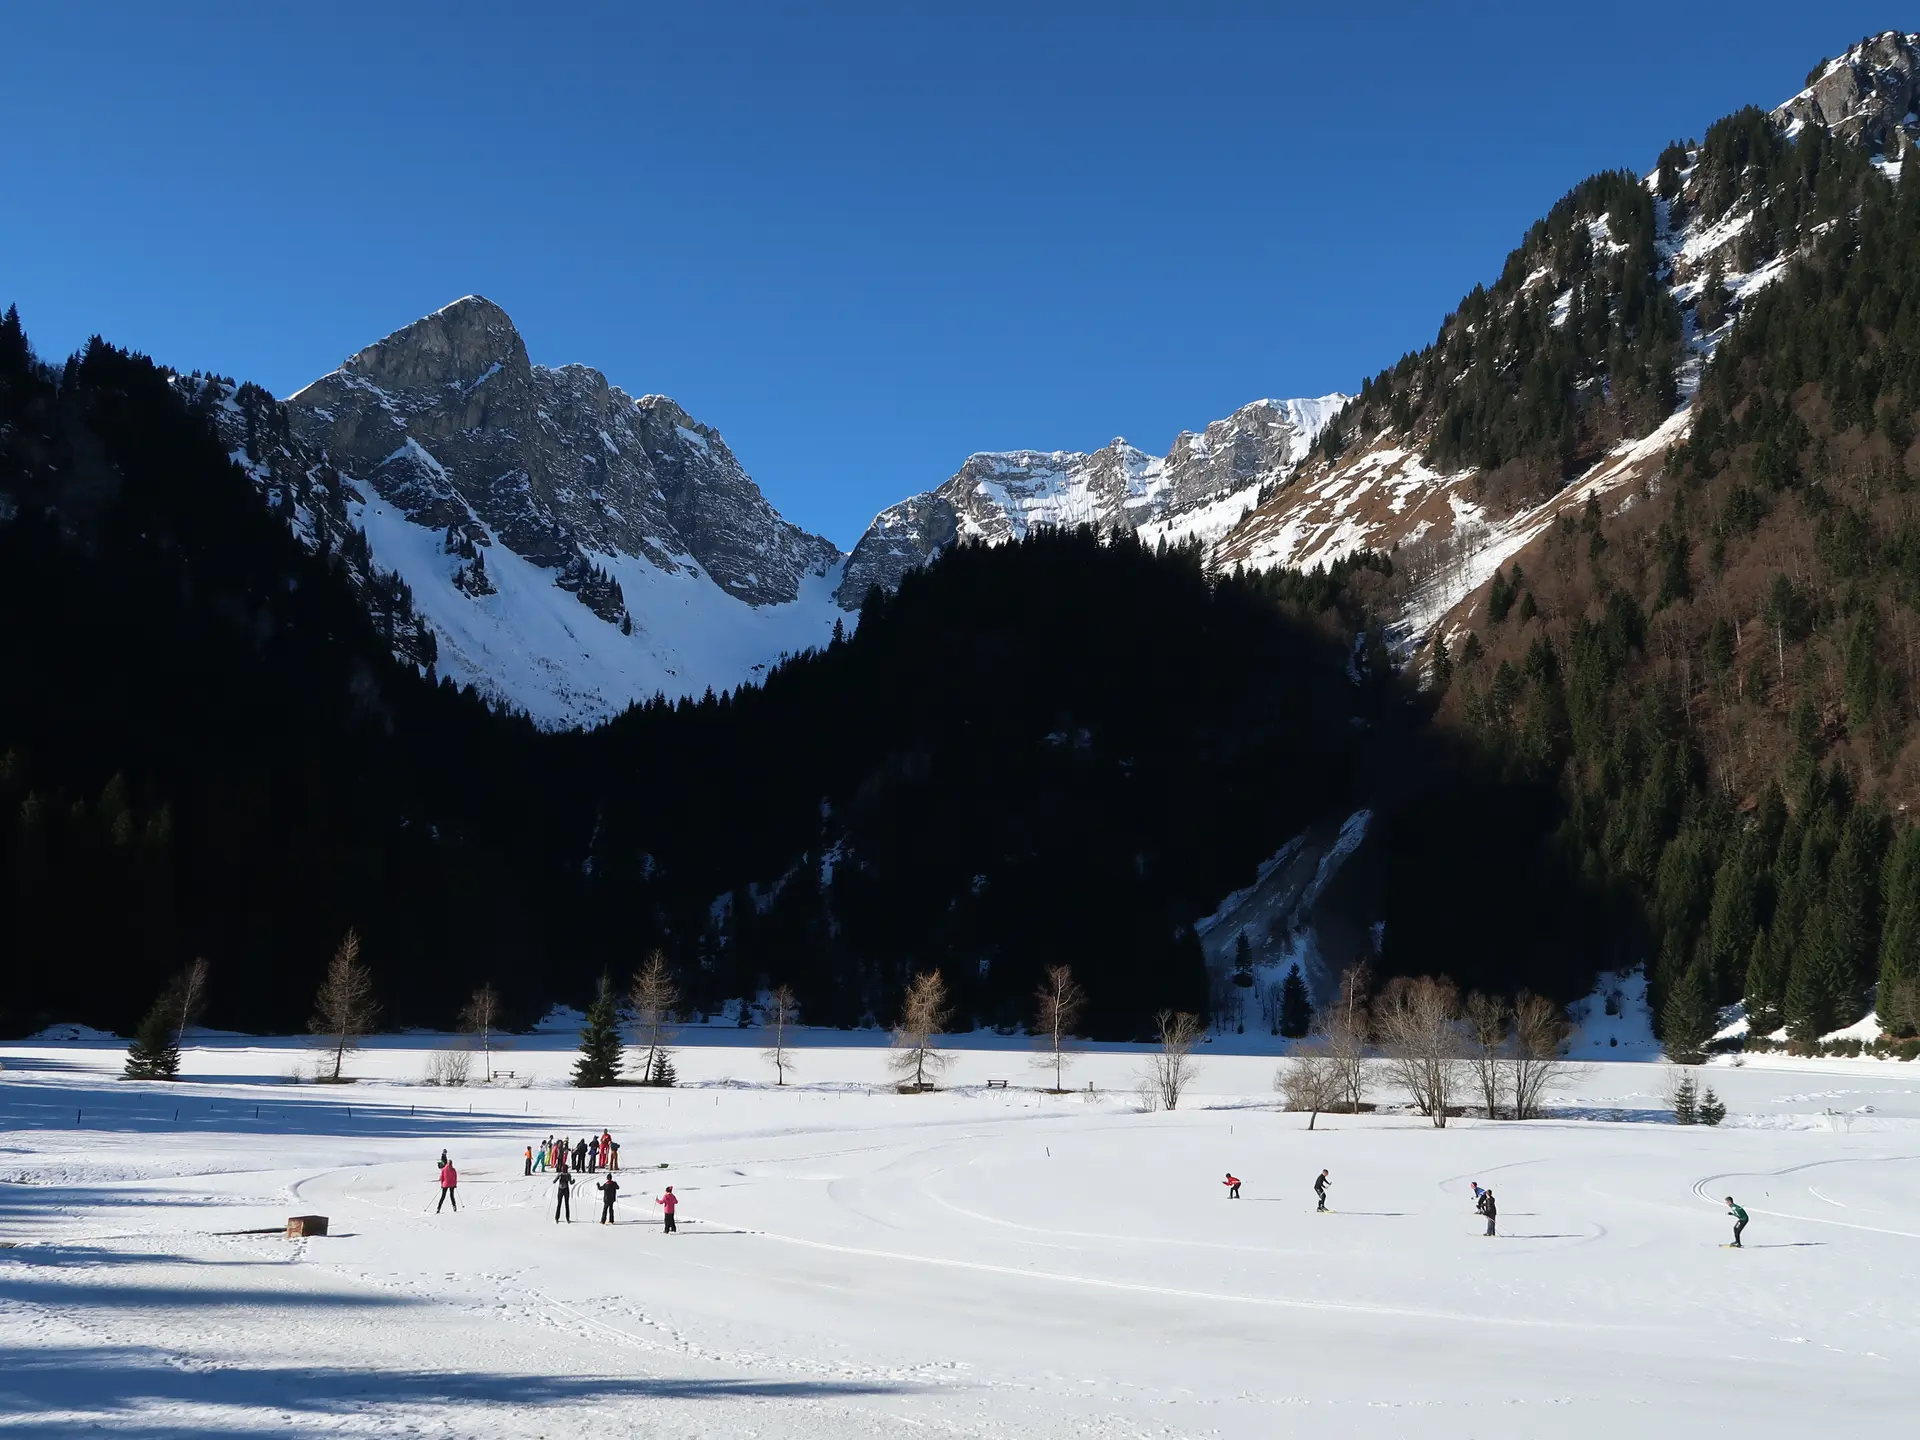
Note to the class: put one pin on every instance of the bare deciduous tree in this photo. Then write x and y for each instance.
(1488, 1049)
(1311, 1079)
(782, 1011)
(1171, 1068)
(449, 1067)
(480, 1019)
(923, 1015)
(654, 999)
(1418, 1030)
(344, 1010)
(1345, 1026)
(189, 998)
(1059, 1003)
(1539, 1030)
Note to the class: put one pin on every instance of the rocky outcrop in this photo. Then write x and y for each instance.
(1868, 95)
(997, 496)
(451, 423)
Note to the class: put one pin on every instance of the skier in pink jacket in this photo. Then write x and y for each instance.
(449, 1180)
(669, 1202)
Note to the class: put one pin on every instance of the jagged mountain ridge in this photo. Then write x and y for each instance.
(1198, 489)
(567, 549)
(1383, 481)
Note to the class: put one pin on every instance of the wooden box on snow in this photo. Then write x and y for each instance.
(300, 1226)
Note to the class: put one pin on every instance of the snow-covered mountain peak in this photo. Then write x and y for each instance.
(1200, 487)
(571, 549)
(1870, 94)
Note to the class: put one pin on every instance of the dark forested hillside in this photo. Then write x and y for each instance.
(1067, 749)
(1722, 676)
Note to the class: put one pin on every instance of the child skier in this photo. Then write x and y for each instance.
(1477, 1193)
(540, 1154)
(449, 1179)
(1320, 1189)
(609, 1188)
(1489, 1208)
(669, 1202)
(563, 1195)
(529, 1169)
(1233, 1186)
(1739, 1222)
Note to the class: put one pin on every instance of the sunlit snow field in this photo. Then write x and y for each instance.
(979, 1262)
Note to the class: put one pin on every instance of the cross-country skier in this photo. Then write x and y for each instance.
(540, 1155)
(609, 1189)
(1489, 1208)
(449, 1179)
(529, 1169)
(614, 1162)
(669, 1202)
(1232, 1183)
(606, 1148)
(1739, 1222)
(1477, 1193)
(443, 1157)
(1320, 1189)
(563, 1196)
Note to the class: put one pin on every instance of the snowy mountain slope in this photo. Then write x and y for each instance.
(1200, 488)
(1382, 492)
(568, 548)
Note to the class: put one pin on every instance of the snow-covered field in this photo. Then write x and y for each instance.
(979, 1262)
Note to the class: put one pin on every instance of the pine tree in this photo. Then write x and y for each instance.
(1687, 1019)
(1242, 961)
(1899, 994)
(1731, 921)
(1765, 989)
(1819, 988)
(1686, 1101)
(154, 1054)
(663, 1074)
(1712, 1111)
(1296, 1015)
(599, 1062)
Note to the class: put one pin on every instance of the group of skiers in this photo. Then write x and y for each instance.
(601, 1152)
(568, 1160)
(1483, 1203)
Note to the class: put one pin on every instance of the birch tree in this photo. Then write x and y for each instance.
(1059, 1003)
(1172, 1066)
(480, 1019)
(782, 1012)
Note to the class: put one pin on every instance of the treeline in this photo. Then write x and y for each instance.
(1722, 678)
(1062, 751)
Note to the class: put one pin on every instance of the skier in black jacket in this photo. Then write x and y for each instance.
(1320, 1189)
(563, 1196)
(609, 1188)
(1489, 1208)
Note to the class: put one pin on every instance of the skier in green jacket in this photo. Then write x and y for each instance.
(1739, 1221)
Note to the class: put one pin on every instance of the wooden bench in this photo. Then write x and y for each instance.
(997, 1084)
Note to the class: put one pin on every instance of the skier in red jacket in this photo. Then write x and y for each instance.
(669, 1202)
(449, 1179)
(1232, 1183)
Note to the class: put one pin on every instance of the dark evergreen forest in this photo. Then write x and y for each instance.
(1722, 679)
(1066, 749)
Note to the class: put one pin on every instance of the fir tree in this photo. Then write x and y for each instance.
(1820, 988)
(1686, 1101)
(663, 1073)
(155, 1054)
(1242, 961)
(1687, 1019)
(1765, 989)
(599, 1062)
(1899, 995)
(1296, 1015)
(1712, 1111)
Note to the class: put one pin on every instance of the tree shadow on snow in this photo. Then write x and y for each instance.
(123, 1386)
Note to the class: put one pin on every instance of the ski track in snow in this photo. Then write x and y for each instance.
(977, 1262)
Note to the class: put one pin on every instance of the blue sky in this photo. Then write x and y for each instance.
(862, 241)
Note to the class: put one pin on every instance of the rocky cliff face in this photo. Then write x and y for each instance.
(535, 533)
(998, 496)
(454, 427)
(1869, 95)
